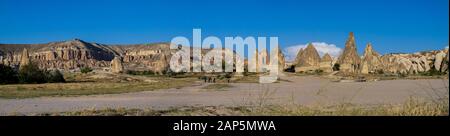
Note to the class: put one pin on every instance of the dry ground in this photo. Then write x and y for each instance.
(292, 95)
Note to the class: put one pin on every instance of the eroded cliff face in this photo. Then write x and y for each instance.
(371, 62)
(326, 63)
(74, 54)
(308, 59)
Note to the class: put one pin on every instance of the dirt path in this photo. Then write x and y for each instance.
(298, 90)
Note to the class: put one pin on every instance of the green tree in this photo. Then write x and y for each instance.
(31, 74)
(336, 67)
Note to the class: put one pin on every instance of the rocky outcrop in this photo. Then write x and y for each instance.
(24, 58)
(439, 59)
(259, 60)
(148, 57)
(299, 55)
(74, 54)
(444, 67)
(326, 63)
(414, 63)
(309, 60)
(371, 60)
(349, 61)
(116, 65)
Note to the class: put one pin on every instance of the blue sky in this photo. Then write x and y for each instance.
(390, 25)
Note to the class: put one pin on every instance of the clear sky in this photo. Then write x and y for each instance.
(390, 25)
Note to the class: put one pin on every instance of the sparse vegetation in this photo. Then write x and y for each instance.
(290, 69)
(85, 70)
(318, 71)
(147, 72)
(87, 88)
(217, 86)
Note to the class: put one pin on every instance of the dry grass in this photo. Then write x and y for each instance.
(411, 107)
(217, 86)
(88, 88)
(247, 79)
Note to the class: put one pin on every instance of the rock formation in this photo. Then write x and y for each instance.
(439, 59)
(60, 55)
(371, 60)
(24, 58)
(279, 57)
(74, 54)
(309, 60)
(116, 65)
(349, 61)
(326, 63)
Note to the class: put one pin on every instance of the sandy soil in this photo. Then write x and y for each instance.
(305, 90)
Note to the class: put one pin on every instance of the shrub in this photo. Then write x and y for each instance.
(432, 72)
(148, 72)
(228, 75)
(55, 76)
(8, 75)
(318, 71)
(85, 70)
(336, 67)
(31, 74)
(379, 71)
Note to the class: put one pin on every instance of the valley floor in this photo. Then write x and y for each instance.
(310, 91)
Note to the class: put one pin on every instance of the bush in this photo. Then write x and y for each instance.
(55, 76)
(336, 67)
(85, 70)
(148, 72)
(432, 72)
(379, 71)
(31, 74)
(8, 75)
